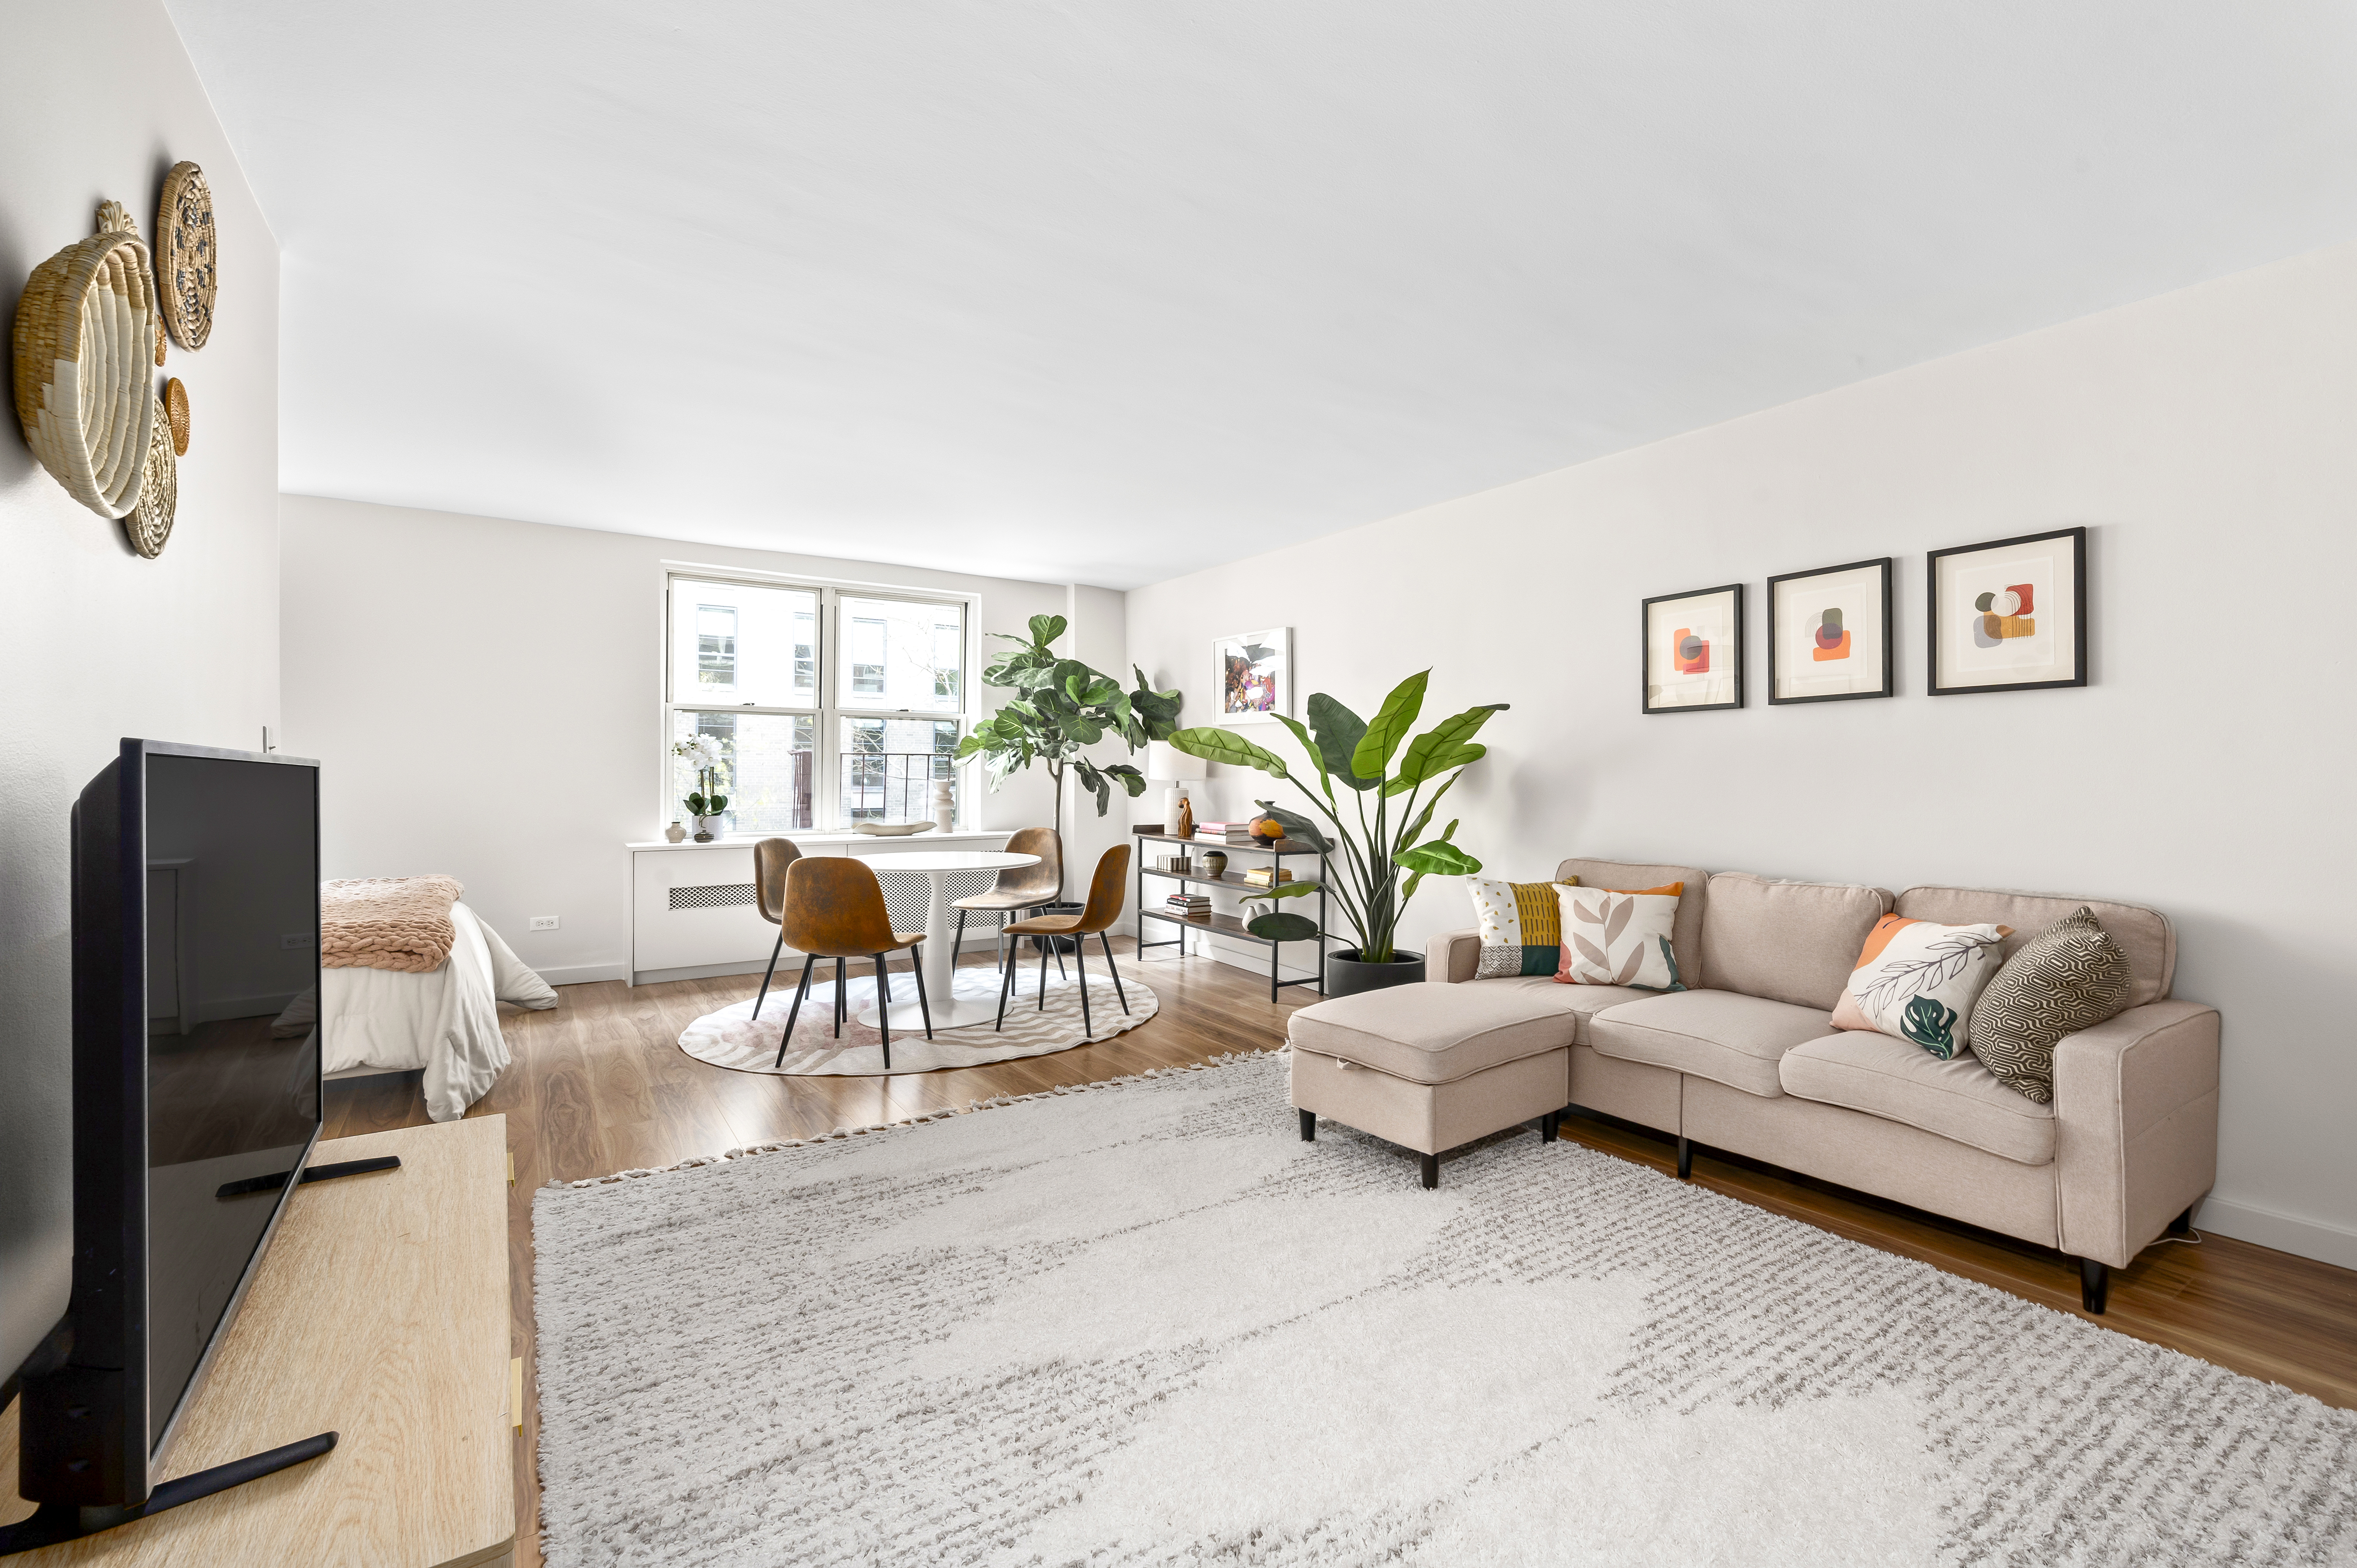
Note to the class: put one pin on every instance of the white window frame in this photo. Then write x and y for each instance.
(827, 710)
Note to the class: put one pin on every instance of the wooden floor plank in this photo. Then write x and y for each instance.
(600, 1084)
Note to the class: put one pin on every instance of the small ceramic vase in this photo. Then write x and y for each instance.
(674, 833)
(1214, 863)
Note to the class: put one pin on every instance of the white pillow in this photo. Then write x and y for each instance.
(1611, 937)
(1917, 980)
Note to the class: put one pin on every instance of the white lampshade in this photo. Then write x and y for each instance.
(1166, 764)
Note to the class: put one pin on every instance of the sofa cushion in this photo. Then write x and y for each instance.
(2145, 934)
(1433, 1031)
(1957, 1099)
(1788, 941)
(1686, 932)
(1720, 1034)
(1582, 1002)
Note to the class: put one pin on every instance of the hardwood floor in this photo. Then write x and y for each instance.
(600, 1085)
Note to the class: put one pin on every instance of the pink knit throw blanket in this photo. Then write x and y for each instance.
(387, 922)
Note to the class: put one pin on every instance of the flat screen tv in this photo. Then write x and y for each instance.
(195, 1104)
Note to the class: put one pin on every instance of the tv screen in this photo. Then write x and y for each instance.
(230, 885)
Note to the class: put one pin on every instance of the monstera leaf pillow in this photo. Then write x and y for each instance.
(1612, 937)
(1917, 980)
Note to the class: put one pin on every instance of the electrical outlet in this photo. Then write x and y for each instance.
(543, 922)
(295, 942)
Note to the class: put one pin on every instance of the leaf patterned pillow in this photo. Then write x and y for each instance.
(1917, 980)
(1617, 937)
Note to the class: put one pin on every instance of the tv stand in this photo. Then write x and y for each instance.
(380, 1312)
(55, 1522)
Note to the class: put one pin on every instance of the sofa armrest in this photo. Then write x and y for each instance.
(1453, 956)
(2135, 1125)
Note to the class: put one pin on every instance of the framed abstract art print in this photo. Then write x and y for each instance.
(1829, 633)
(1255, 675)
(1694, 651)
(2010, 616)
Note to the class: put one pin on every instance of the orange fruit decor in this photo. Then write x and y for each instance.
(1268, 828)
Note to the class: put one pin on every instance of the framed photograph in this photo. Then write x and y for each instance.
(1829, 634)
(1694, 651)
(2011, 616)
(1255, 672)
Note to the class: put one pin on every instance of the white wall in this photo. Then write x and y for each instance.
(484, 697)
(2207, 438)
(99, 644)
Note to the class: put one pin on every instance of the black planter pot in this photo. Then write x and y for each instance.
(1057, 944)
(1346, 976)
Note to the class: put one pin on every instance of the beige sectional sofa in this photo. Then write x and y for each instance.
(1748, 1062)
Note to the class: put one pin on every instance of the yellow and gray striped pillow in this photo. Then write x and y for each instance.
(1522, 926)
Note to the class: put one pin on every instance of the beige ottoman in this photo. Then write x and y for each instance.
(1434, 1066)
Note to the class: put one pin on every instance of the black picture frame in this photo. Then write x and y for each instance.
(1645, 681)
(1935, 624)
(1884, 564)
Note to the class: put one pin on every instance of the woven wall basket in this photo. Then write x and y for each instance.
(176, 416)
(150, 523)
(186, 261)
(85, 339)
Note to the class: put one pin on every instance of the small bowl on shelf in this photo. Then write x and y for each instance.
(891, 830)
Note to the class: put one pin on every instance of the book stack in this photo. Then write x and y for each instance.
(1194, 905)
(1266, 876)
(1224, 833)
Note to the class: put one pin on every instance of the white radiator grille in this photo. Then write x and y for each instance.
(712, 898)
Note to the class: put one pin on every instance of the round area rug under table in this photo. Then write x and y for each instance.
(733, 1038)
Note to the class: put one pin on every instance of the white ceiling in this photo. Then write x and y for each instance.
(1103, 292)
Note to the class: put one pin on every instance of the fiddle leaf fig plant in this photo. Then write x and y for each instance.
(1373, 841)
(1062, 707)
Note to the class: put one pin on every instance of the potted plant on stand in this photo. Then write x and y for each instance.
(1062, 708)
(705, 802)
(1367, 854)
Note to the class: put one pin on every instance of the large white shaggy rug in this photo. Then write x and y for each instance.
(1037, 1024)
(1146, 1324)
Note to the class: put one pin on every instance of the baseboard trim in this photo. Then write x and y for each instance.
(2327, 1243)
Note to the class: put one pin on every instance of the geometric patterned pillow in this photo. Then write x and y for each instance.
(2069, 977)
(1521, 927)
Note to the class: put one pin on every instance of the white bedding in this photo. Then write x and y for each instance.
(445, 1020)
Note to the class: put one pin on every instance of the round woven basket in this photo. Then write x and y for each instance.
(85, 335)
(176, 416)
(149, 523)
(187, 262)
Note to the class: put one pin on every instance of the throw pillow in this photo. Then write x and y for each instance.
(2071, 976)
(1917, 980)
(1521, 927)
(1614, 936)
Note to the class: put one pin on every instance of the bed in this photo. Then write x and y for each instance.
(445, 1020)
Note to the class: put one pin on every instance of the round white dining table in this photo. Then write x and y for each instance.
(941, 934)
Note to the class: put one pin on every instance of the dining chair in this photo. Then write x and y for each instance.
(1026, 887)
(835, 909)
(1108, 890)
(772, 858)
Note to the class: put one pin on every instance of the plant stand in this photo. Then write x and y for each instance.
(1229, 925)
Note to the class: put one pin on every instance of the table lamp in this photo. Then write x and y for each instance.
(1169, 766)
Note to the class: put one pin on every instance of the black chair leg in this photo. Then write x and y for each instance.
(1431, 1171)
(1006, 985)
(1080, 956)
(763, 994)
(958, 946)
(1310, 1126)
(1043, 975)
(925, 1009)
(1106, 942)
(2094, 1287)
(799, 992)
(841, 992)
(884, 1010)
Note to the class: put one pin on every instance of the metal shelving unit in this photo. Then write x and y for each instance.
(1229, 925)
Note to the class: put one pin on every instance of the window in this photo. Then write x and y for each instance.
(748, 670)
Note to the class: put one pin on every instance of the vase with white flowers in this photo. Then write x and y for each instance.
(706, 803)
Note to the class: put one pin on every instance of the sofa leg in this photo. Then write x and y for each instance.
(1547, 1125)
(2094, 1286)
(1685, 1159)
(1310, 1126)
(1431, 1171)
(2181, 1226)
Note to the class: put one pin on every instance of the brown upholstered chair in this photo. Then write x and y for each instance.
(1108, 890)
(772, 858)
(835, 909)
(1024, 890)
